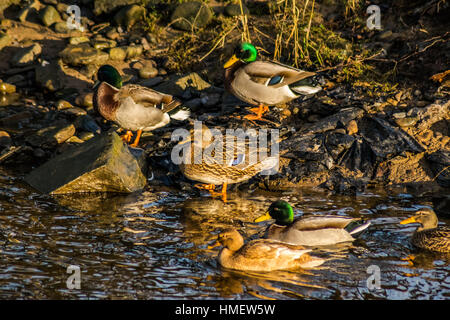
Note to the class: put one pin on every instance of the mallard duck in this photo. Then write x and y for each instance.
(210, 160)
(310, 231)
(262, 254)
(133, 107)
(429, 235)
(265, 83)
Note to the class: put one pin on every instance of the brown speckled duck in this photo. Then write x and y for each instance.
(133, 107)
(262, 254)
(429, 235)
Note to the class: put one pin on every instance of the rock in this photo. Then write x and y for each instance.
(49, 77)
(6, 3)
(17, 78)
(5, 140)
(83, 54)
(234, 9)
(352, 127)
(7, 87)
(342, 118)
(49, 15)
(119, 53)
(151, 82)
(26, 55)
(16, 120)
(85, 136)
(406, 122)
(386, 140)
(5, 40)
(103, 44)
(78, 40)
(85, 100)
(129, 15)
(134, 51)
(429, 115)
(102, 164)
(112, 34)
(63, 104)
(86, 123)
(51, 136)
(191, 15)
(74, 111)
(61, 27)
(176, 85)
(108, 6)
(148, 70)
(440, 165)
(399, 115)
(336, 143)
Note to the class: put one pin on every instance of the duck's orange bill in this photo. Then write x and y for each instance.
(409, 220)
(215, 245)
(231, 61)
(264, 217)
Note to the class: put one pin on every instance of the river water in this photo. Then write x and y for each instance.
(154, 245)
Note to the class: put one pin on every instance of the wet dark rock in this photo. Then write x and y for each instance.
(234, 9)
(440, 165)
(340, 119)
(386, 140)
(26, 55)
(305, 147)
(51, 136)
(177, 85)
(108, 6)
(49, 76)
(86, 123)
(49, 15)
(359, 157)
(151, 82)
(102, 164)
(337, 143)
(129, 16)
(83, 54)
(190, 15)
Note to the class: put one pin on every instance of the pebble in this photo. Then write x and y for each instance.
(78, 40)
(38, 153)
(406, 122)
(7, 87)
(5, 139)
(85, 136)
(399, 115)
(63, 104)
(49, 15)
(352, 127)
(118, 53)
(148, 71)
(85, 100)
(26, 55)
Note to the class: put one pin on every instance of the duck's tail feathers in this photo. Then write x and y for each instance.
(357, 227)
(306, 86)
(176, 111)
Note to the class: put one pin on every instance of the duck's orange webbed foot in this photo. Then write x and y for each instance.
(211, 188)
(136, 140)
(127, 136)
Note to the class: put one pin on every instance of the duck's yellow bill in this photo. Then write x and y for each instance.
(215, 245)
(264, 217)
(409, 220)
(231, 61)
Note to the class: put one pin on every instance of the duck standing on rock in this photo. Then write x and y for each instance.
(310, 231)
(265, 83)
(429, 235)
(133, 107)
(262, 254)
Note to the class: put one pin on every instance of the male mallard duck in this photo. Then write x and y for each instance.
(133, 107)
(310, 231)
(209, 161)
(428, 235)
(262, 254)
(265, 83)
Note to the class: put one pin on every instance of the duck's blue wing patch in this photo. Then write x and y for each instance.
(275, 80)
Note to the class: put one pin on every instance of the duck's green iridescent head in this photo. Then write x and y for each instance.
(281, 211)
(109, 74)
(245, 52)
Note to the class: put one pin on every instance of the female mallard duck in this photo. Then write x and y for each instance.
(265, 83)
(262, 254)
(310, 231)
(210, 160)
(133, 107)
(428, 235)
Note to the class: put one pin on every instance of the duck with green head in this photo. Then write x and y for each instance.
(133, 107)
(312, 230)
(265, 83)
(429, 235)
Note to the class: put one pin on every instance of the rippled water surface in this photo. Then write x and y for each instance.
(155, 246)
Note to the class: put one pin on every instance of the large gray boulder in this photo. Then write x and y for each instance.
(102, 164)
